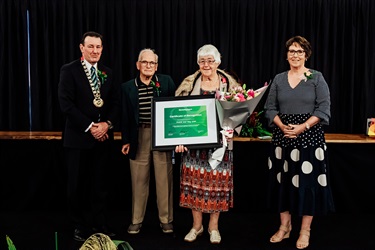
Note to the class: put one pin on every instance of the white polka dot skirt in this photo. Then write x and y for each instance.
(299, 177)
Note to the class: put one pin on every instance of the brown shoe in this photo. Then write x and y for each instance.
(134, 228)
(167, 227)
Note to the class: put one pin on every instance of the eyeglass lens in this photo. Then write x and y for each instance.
(146, 63)
(298, 52)
(203, 62)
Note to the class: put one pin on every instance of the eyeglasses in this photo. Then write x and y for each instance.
(145, 63)
(203, 62)
(298, 52)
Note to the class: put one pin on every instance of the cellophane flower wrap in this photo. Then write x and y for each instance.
(236, 106)
(233, 108)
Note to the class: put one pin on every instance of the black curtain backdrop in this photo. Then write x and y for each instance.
(14, 84)
(250, 34)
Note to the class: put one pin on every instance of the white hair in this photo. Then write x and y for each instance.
(209, 50)
(147, 50)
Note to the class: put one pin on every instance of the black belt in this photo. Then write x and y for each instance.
(145, 125)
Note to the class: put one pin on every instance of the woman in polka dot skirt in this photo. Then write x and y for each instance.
(297, 107)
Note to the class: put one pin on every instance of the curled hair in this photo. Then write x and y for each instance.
(209, 50)
(305, 45)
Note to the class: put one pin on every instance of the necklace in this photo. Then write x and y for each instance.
(210, 84)
(98, 101)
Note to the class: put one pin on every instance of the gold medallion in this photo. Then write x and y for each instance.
(98, 102)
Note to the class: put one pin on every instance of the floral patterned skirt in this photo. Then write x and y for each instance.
(299, 178)
(203, 188)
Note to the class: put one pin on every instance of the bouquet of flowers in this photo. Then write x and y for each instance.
(234, 108)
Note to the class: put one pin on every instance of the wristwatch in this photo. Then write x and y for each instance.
(110, 126)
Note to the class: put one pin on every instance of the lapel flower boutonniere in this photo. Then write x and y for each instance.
(156, 86)
(308, 75)
(102, 75)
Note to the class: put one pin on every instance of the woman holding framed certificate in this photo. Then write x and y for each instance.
(205, 188)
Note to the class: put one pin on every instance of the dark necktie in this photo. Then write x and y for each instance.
(94, 78)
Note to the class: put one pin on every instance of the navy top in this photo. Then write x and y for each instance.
(310, 96)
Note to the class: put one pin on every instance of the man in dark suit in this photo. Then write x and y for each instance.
(136, 98)
(90, 101)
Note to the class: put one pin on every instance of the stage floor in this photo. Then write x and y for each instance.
(251, 231)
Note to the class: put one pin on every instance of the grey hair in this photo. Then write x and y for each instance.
(209, 50)
(147, 50)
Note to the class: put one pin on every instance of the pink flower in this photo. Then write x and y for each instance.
(241, 97)
(250, 94)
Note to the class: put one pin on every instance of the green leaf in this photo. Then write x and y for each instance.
(11, 246)
(118, 242)
(125, 245)
(254, 131)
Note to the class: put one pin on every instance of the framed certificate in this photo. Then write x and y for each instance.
(184, 120)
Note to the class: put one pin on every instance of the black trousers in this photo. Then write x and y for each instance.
(87, 185)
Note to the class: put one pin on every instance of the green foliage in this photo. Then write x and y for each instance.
(254, 126)
(11, 246)
(122, 245)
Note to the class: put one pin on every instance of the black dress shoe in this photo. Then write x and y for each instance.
(79, 235)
